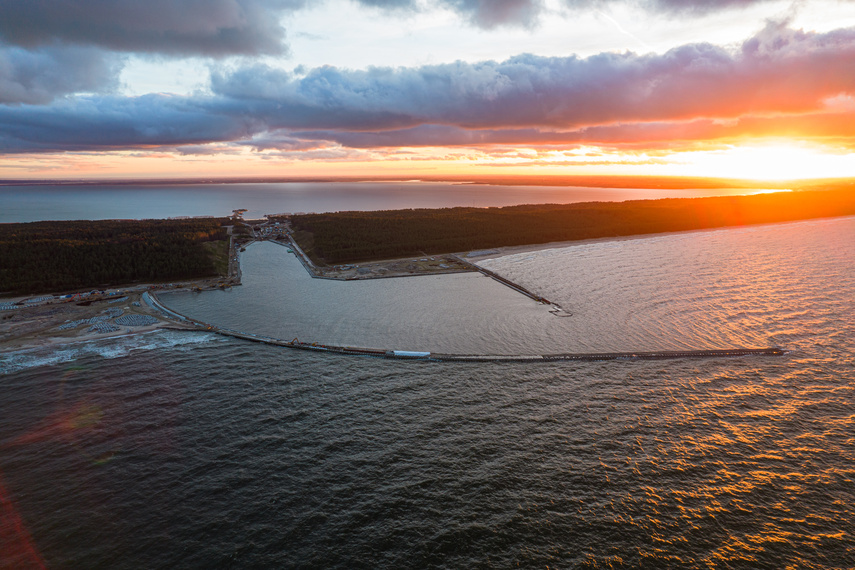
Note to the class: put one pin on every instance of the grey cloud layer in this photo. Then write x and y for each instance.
(54, 48)
(178, 27)
(494, 13)
(244, 27)
(839, 127)
(213, 28)
(112, 123)
(675, 7)
(780, 70)
(38, 76)
(48, 47)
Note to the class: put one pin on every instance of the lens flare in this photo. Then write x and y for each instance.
(17, 549)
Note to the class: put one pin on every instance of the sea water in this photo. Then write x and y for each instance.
(718, 289)
(29, 203)
(161, 451)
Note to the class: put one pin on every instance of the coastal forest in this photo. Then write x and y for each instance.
(43, 257)
(345, 237)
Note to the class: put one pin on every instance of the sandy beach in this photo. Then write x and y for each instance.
(479, 255)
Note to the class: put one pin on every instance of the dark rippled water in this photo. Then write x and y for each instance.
(190, 450)
(236, 454)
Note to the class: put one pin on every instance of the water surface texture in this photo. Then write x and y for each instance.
(187, 450)
(766, 285)
(465, 313)
(744, 287)
(127, 201)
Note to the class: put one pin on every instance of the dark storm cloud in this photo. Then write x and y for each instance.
(178, 27)
(41, 75)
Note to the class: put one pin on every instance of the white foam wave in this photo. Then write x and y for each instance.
(115, 347)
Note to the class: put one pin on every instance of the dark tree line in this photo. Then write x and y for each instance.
(359, 236)
(58, 256)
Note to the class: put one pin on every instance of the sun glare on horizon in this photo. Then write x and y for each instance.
(779, 161)
(773, 162)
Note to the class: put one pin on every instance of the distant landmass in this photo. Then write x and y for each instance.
(661, 182)
(346, 237)
(42, 257)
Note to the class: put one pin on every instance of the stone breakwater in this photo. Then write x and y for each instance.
(154, 302)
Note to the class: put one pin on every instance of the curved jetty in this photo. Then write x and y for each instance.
(153, 301)
(505, 281)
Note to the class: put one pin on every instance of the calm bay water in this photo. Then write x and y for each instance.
(192, 450)
(463, 313)
(86, 202)
(745, 287)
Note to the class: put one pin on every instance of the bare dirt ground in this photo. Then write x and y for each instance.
(406, 267)
(42, 323)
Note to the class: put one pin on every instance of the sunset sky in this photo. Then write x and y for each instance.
(198, 88)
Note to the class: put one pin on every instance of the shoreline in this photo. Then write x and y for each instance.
(441, 264)
(503, 251)
(36, 325)
(39, 325)
(45, 334)
(580, 181)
